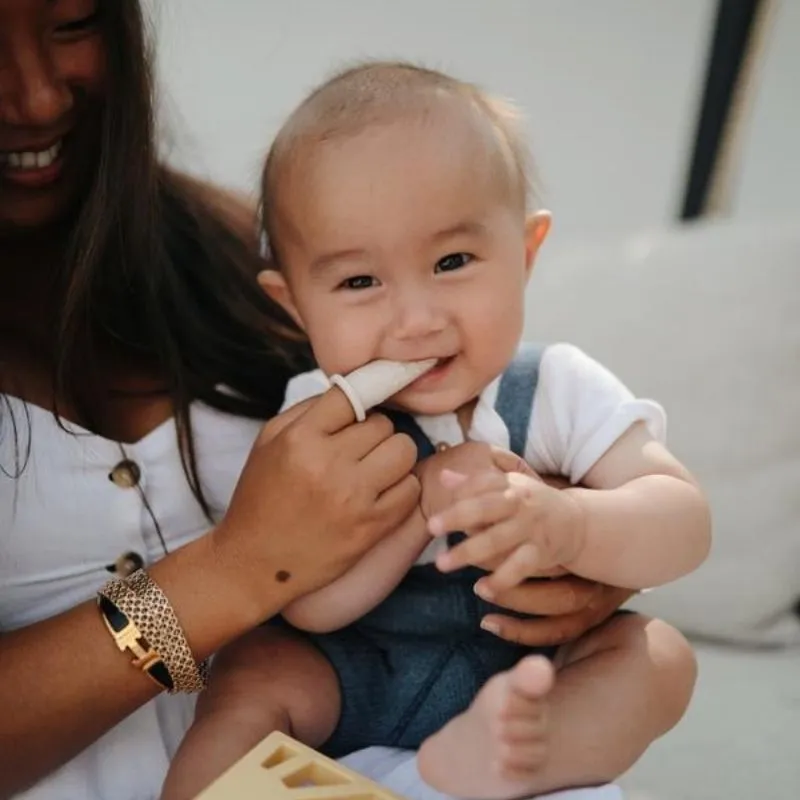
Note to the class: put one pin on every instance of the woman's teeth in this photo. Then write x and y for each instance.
(30, 159)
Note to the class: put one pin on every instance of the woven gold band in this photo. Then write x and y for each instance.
(147, 607)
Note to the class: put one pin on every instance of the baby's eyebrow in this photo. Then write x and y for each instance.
(465, 227)
(328, 260)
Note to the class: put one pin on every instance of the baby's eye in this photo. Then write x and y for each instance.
(453, 261)
(358, 282)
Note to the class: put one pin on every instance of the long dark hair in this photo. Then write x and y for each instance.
(154, 269)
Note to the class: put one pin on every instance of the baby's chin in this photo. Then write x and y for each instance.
(428, 404)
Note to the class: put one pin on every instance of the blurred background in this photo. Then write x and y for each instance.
(611, 89)
(665, 134)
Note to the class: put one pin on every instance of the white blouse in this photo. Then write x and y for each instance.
(70, 513)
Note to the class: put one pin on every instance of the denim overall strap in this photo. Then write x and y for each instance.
(515, 395)
(405, 423)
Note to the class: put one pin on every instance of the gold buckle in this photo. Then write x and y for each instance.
(145, 657)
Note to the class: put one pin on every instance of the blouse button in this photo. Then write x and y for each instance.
(126, 564)
(126, 474)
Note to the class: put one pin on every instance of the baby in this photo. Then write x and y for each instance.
(397, 213)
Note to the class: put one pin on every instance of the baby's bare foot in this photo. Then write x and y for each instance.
(497, 748)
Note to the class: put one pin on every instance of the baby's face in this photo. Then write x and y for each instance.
(400, 243)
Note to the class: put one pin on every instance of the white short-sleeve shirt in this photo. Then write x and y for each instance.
(579, 410)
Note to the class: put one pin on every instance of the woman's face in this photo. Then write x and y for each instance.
(52, 90)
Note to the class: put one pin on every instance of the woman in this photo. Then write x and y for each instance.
(137, 357)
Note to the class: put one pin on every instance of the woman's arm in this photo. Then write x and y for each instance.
(293, 525)
(63, 683)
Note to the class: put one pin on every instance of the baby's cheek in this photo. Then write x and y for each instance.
(339, 346)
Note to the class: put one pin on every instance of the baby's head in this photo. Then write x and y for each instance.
(396, 212)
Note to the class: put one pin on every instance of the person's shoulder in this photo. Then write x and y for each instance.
(564, 355)
(581, 409)
(565, 367)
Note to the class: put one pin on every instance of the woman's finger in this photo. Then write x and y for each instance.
(357, 441)
(539, 632)
(548, 597)
(555, 630)
(387, 464)
(275, 425)
(397, 502)
(329, 412)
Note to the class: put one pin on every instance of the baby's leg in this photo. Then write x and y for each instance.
(620, 687)
(267, 681)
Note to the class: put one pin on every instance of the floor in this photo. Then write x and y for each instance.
(740, 739)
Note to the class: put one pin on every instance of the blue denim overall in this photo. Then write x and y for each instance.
(418, 659)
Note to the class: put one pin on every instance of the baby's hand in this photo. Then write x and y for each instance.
(466, 461)
(532, 527)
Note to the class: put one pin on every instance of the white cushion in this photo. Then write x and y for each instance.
(706, 319)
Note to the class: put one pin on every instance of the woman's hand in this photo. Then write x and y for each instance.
(316, 493)
(562, 609)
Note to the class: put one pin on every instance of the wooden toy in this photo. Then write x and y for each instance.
(281, 768)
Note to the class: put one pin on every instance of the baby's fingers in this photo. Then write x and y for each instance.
(472, 514)
(476, 550)
(517, 568)
(481, 483)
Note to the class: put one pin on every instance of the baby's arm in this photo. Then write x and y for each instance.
(378, 573)
(372, 579)
(640, 521)
(651, 523)
(366, 584)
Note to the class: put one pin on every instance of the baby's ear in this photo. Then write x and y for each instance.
(537, 226)
(274, 284)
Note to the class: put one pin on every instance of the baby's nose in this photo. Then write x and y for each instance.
(418, 318)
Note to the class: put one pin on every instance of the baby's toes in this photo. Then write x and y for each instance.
(532, 679)
(522, 729)
(519, 761)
